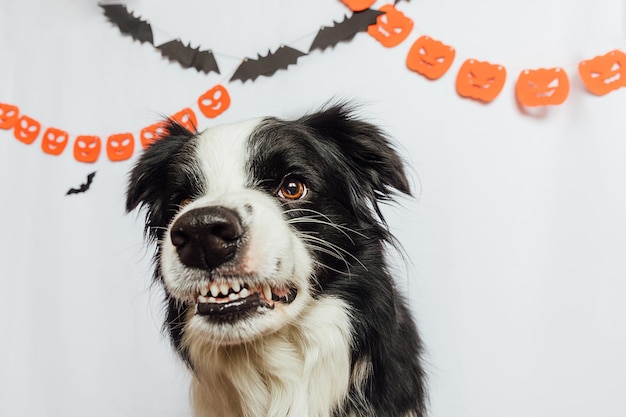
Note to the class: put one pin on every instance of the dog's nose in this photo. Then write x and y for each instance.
(207, 237)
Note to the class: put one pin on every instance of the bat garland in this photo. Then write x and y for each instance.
(175, 50)
(250, 68)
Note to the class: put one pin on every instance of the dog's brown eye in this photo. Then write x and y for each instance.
(292, 189)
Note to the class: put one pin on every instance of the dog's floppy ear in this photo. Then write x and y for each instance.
(148, 178)
(366, 145)
(375, 170)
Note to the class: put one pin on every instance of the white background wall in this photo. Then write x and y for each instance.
(516, 237)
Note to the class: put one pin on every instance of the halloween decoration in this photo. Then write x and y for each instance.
(344, 30)
(429, 57)
(392, 27)
(187, 118)
(9, 115)
(127, 23)
(87, 148)
(480, 80)
(26, 129)
(604, 73)
(251, 69)
(214, 101)
(151, 133)
(54, 141)
(84, 186)
(542, 87)
(120, 146)
(358, 5)
(188, 57)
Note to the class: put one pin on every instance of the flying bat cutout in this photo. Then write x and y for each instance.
(188, 57)
(83, 187)
(345, 30)
(251, 69)
(128, 24)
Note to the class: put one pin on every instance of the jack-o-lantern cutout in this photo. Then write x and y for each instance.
(26, 129)
(358, 5)
(214, 102)
(8, 115)
(604, 73)
(542, 87)
(480, 80)
(430, 57)
(187, 118)
(54, 141)
(120, 146)
(392, 27)
(150, 134)
(87, 148)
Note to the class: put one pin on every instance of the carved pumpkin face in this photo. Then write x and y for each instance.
(187, 118)
(54, 141)
(430, 57)
(151, 133)
(604, 73)
(120, 146)
(542, 87)
(392, 27)
(26, 129)
(214, 102)
(8, 115)
(480, 80)
(358, 5)
(87, 148)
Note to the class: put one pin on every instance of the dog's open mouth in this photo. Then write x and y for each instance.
(231, 300)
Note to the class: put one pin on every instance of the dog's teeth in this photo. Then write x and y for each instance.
(214, 290)
(267, 292)
(236, 286)
(204, 290)
(211, 299)
(233, 296)
(244, 293)
(202, 299)
(224, 289)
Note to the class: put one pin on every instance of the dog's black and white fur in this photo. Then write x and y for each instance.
(270, 247)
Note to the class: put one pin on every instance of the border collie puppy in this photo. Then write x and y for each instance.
(271, 251)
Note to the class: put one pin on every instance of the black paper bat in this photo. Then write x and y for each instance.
(345, 30)
(127, 23)
(189, 57)
(267, 65)
(83, 187)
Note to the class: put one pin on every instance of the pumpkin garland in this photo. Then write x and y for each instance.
(477, 80)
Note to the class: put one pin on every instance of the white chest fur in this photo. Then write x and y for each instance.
(303, 370)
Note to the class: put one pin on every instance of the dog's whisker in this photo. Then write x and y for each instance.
(334, 248)
(323, 265)
(329, 220)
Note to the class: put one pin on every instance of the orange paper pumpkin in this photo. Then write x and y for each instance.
(480, 80)
(87, 148)
(392, 27)
(187, 118)
(358, 5)
(542, 87)
(8, 115)
(214, 102)
(26, 129)
(151, 133)
(430, 57)
(604, 73)
(120, 146)
(54, 141)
